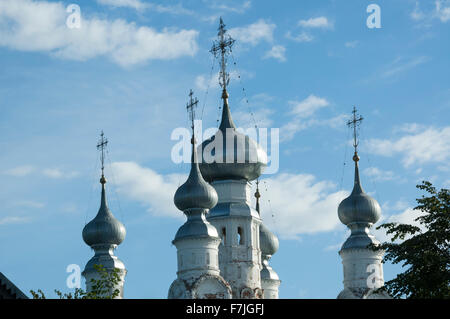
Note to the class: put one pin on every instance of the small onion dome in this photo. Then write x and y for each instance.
(104, 228)
(268, 242)
(195, 192)
(358, 207)
(247, 159)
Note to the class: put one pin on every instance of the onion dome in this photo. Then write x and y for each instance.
(104, 228)
(195, 197)
(236, 157)
(268, 242)
(195, 192)
(359, 207)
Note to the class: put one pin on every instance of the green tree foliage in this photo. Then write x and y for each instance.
(425, 253)
(103, 288)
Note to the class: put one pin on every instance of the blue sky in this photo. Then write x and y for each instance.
(128, 70)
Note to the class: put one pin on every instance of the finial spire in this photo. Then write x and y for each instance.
(190, 106)
(222, 47)
(354, 123)
(257, 196)
(101, 145)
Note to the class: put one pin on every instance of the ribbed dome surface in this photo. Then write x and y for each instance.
(359, 207)
(104, 228)
(195, 192)
(268, 242)
(236, 157)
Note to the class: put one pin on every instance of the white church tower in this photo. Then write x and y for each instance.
(197, 240)
(363, 268)
(104, 233)
(230, 161)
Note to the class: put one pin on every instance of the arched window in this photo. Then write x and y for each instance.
(240, 236)
(223, 235)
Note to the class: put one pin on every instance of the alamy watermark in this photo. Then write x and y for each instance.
(74, 279)
(251, 146)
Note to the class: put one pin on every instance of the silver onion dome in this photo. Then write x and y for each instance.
(104, 228)
(237, 156)
(358, 207)
(195, 192)
(195, 197)
(268, 242)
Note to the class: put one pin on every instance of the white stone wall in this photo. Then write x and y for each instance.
(239, 251)
(359, 264)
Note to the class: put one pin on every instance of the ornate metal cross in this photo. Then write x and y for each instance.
(222, 46)
(354, 123)
(101, 146)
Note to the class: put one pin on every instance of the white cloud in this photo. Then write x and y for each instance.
(379, 175)
(28, 204)
(135, 4)
(300, 205)
(417, 14)
(303, 112)
(319, 22)
(277, 52)
(351, 44)
(153, 190)
(41, 27)
(254, 33)
(301, 37)
(231, 6)
(401, 66)
(431, 145)
(19, 171)
(56, 173)
(443, 10)
(308, 106)
(14, 220)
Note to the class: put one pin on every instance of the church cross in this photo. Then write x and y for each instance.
(354, 123)
(101, 146)
(222, 46)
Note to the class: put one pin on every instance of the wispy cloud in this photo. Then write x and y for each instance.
(134, 4)
(431, 145)
(14, 220)
(351, 44)
(379, 175)
(400, 65)
(319, 22)
(301, 37)
(229, 6)
(58, 173)
(40, 26)
(277, 52)
(20, 171)
(28, 204)
(302, 117)
(254, 33)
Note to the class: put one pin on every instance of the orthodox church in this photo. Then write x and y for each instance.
(223, 249)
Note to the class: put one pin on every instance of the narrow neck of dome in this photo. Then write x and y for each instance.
(357, 188)
(104, 249)
(359, 228)
(195, 214)
(227, 121)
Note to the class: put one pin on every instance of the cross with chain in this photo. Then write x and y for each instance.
(101, 146)
(354, 123)
(191, 108)
(223, 46)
